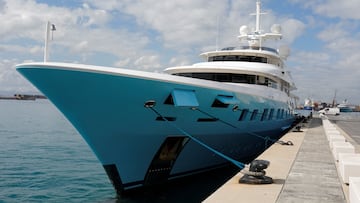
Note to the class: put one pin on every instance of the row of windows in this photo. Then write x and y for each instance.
(238, 78)
(265, 115)
(231, 77)
(238, 58)
(254, 115)
(222, 77)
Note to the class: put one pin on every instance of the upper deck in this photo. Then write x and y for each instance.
(253, 64)
(245, 54)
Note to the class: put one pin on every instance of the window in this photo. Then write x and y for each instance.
(271, 114)
(207, 119)
(223, 77)
(264, 115)
(166, 118)
(278, 115)
(217, 103)
(254, 114)
(243, 114)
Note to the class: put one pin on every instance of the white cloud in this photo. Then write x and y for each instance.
(181, 23)
(332, 32)
(80, 33)
(23, 19)
(157, 34)
(348, 9)
(186, 27)
(122, 63)
(148, 62)
(10, 81)
(333, 63)
(81, 46)
(82, 30)
(341, 38)
(319, 74)
(292, 29)
(87, 16)
(179, 61)
(37, 50)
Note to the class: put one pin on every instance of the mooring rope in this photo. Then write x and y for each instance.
(235, 162)
(266, 139)
(150, 104)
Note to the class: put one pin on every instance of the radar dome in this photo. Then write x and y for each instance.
(284, 51)
(276, 29)
(244, 30)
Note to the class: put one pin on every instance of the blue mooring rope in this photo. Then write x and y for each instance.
(236, 163)
(266, 139)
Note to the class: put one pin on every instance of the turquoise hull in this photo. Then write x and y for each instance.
(140, 145)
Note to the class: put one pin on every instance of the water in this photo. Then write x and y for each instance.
(44, 159)
(350, 123)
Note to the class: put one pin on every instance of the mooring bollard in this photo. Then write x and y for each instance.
(256, 173)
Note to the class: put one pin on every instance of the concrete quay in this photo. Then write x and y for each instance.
(304, 172)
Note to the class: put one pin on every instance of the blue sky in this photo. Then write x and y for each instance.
(150, 35)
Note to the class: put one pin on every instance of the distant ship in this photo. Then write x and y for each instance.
(146, 128)
(345, 107)
(308, 104)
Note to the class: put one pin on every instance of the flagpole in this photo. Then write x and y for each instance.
(47, 36)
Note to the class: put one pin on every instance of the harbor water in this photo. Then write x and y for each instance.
(44, 159)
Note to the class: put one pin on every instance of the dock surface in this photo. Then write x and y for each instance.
(304, 172)
(313, 177)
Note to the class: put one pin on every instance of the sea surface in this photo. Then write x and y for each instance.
(44, 159)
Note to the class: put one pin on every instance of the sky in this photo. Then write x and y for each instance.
(151, 35)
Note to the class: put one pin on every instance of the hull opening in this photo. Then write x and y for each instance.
(164, 160)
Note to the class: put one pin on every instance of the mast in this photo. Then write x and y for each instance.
(256, 37)
(258, 13)
(334, 99)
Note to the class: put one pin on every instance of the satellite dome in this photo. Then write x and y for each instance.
(276, 29)
(284, 51)
(244, 30)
